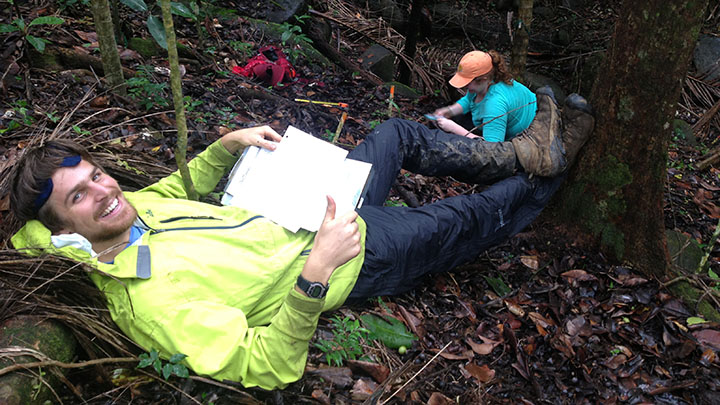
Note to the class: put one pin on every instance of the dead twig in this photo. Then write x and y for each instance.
(14, 351)
(417, 373)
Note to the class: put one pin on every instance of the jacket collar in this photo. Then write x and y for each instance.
(35, 239)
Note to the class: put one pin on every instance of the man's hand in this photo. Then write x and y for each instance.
(264, 137)
(337, 241)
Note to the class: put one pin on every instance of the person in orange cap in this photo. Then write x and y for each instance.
(499, 105)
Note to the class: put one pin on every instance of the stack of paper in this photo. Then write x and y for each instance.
(289, 185)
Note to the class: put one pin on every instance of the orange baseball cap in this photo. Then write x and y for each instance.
(472, 65)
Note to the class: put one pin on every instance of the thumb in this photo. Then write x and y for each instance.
(330, 211)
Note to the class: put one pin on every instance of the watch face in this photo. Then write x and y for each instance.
(315, 291)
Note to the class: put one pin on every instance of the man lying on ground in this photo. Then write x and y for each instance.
(241, 296)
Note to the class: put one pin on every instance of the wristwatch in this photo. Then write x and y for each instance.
(313, 289)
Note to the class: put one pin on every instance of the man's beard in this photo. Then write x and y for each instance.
(112, 231)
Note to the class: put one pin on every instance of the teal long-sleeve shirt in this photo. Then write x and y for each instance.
(506, 109)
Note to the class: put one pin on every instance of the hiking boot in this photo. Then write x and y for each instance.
(578, 123)
(539, 148)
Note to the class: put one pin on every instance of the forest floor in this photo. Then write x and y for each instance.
(541, 318)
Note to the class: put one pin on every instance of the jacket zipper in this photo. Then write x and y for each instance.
(199, 228)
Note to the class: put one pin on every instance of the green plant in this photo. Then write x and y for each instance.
(37, 384)
(172, 367)
(615, 351)
(226, 117)
(243, 48)
(348, 336)
(393, 203)
(19, 115)
(191, 104)
(52, 117)
(80, 131)
(299, 39)
(18, 25)
(146, 92)
(388, 330)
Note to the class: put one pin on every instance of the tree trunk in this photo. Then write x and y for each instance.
(176, 86)
(411, 33)
(521, 40)
(108, 47)
(617, 186)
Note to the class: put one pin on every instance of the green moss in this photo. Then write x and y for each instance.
(612, 238)
(612, 176)
(46, 336)
(404, 90)
(597, 200)
(690, 296)
(48, 60)
(625, 111)
(145, 47)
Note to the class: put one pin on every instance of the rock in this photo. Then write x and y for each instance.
(707, 57)
(683, 130)
(403, 90)
(47, 336)
(284, 10)
(379, 61)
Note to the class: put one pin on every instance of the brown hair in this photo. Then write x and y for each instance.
(502, 73)
(31, 174)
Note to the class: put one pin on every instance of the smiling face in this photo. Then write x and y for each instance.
(90, 202)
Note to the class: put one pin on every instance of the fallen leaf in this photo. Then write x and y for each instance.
(514, 308)
(578, 275)
(530, 262)
(482, 348)
(129, 54)
(708, 357)
(702, 199)
(465, 355)
(377, 371)
(413, 322)
(87, 36)
(5, 203)
(541, 323)
(339, 376)
(437, 398)
(578, 326)
(99, 102)
(615, 361)
(709, 337)
(466, 311)
(694, 320)
(363, 389)
(320, 396)
(481, 373)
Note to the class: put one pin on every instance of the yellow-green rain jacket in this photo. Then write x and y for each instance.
(215, 283)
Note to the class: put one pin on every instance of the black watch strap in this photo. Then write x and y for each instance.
(313, 289)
